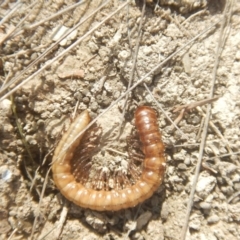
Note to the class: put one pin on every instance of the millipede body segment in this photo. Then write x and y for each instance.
(115, 199)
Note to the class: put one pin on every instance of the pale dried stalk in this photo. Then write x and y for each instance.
(224, 155)
(192, 105)
(40, 202)
(60, 224)
(13, 30)
(12, 234)
(10, 34)
(10, 13)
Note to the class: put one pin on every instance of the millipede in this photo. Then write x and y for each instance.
(153, 166)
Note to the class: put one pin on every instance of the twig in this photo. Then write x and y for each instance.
(187, 107)
(233, 196)
(180, 26)
(59, 225)
(23, 52)
(192, 105)
(39, 204)
(37, 170)
(10, 13)
(12, 234)
(224, 155)
(13, 30)
(193, 16)
(115, 151)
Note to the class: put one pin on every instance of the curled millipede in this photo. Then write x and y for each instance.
(115, 199)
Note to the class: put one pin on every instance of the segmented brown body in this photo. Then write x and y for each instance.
(101, 200)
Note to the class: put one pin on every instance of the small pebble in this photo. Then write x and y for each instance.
(164, 211)
(6, 175)
(85, 92)
(205, 185)
(196, 120)
(57, 113)
(86, 100)
(116, 94)
(95, 221)
(236, 186)
(78, 96)
(5, 227)
(213, 219)
(196, 224)
(123, 55)
(99, 99)
(182, 166)
(187, 160)
(105, 101)
(94, 106)
(147, 50)
(180, 156)
(205, 205)
(45, 114)
(26, 62)
(238, 55)
(34, 56)
(137, 236)
(5, 107)
(31, 140)
(93, 47)
(19, 142)
(143, 219)
(227, 190)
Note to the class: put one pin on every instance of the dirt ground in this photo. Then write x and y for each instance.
(45, 83)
